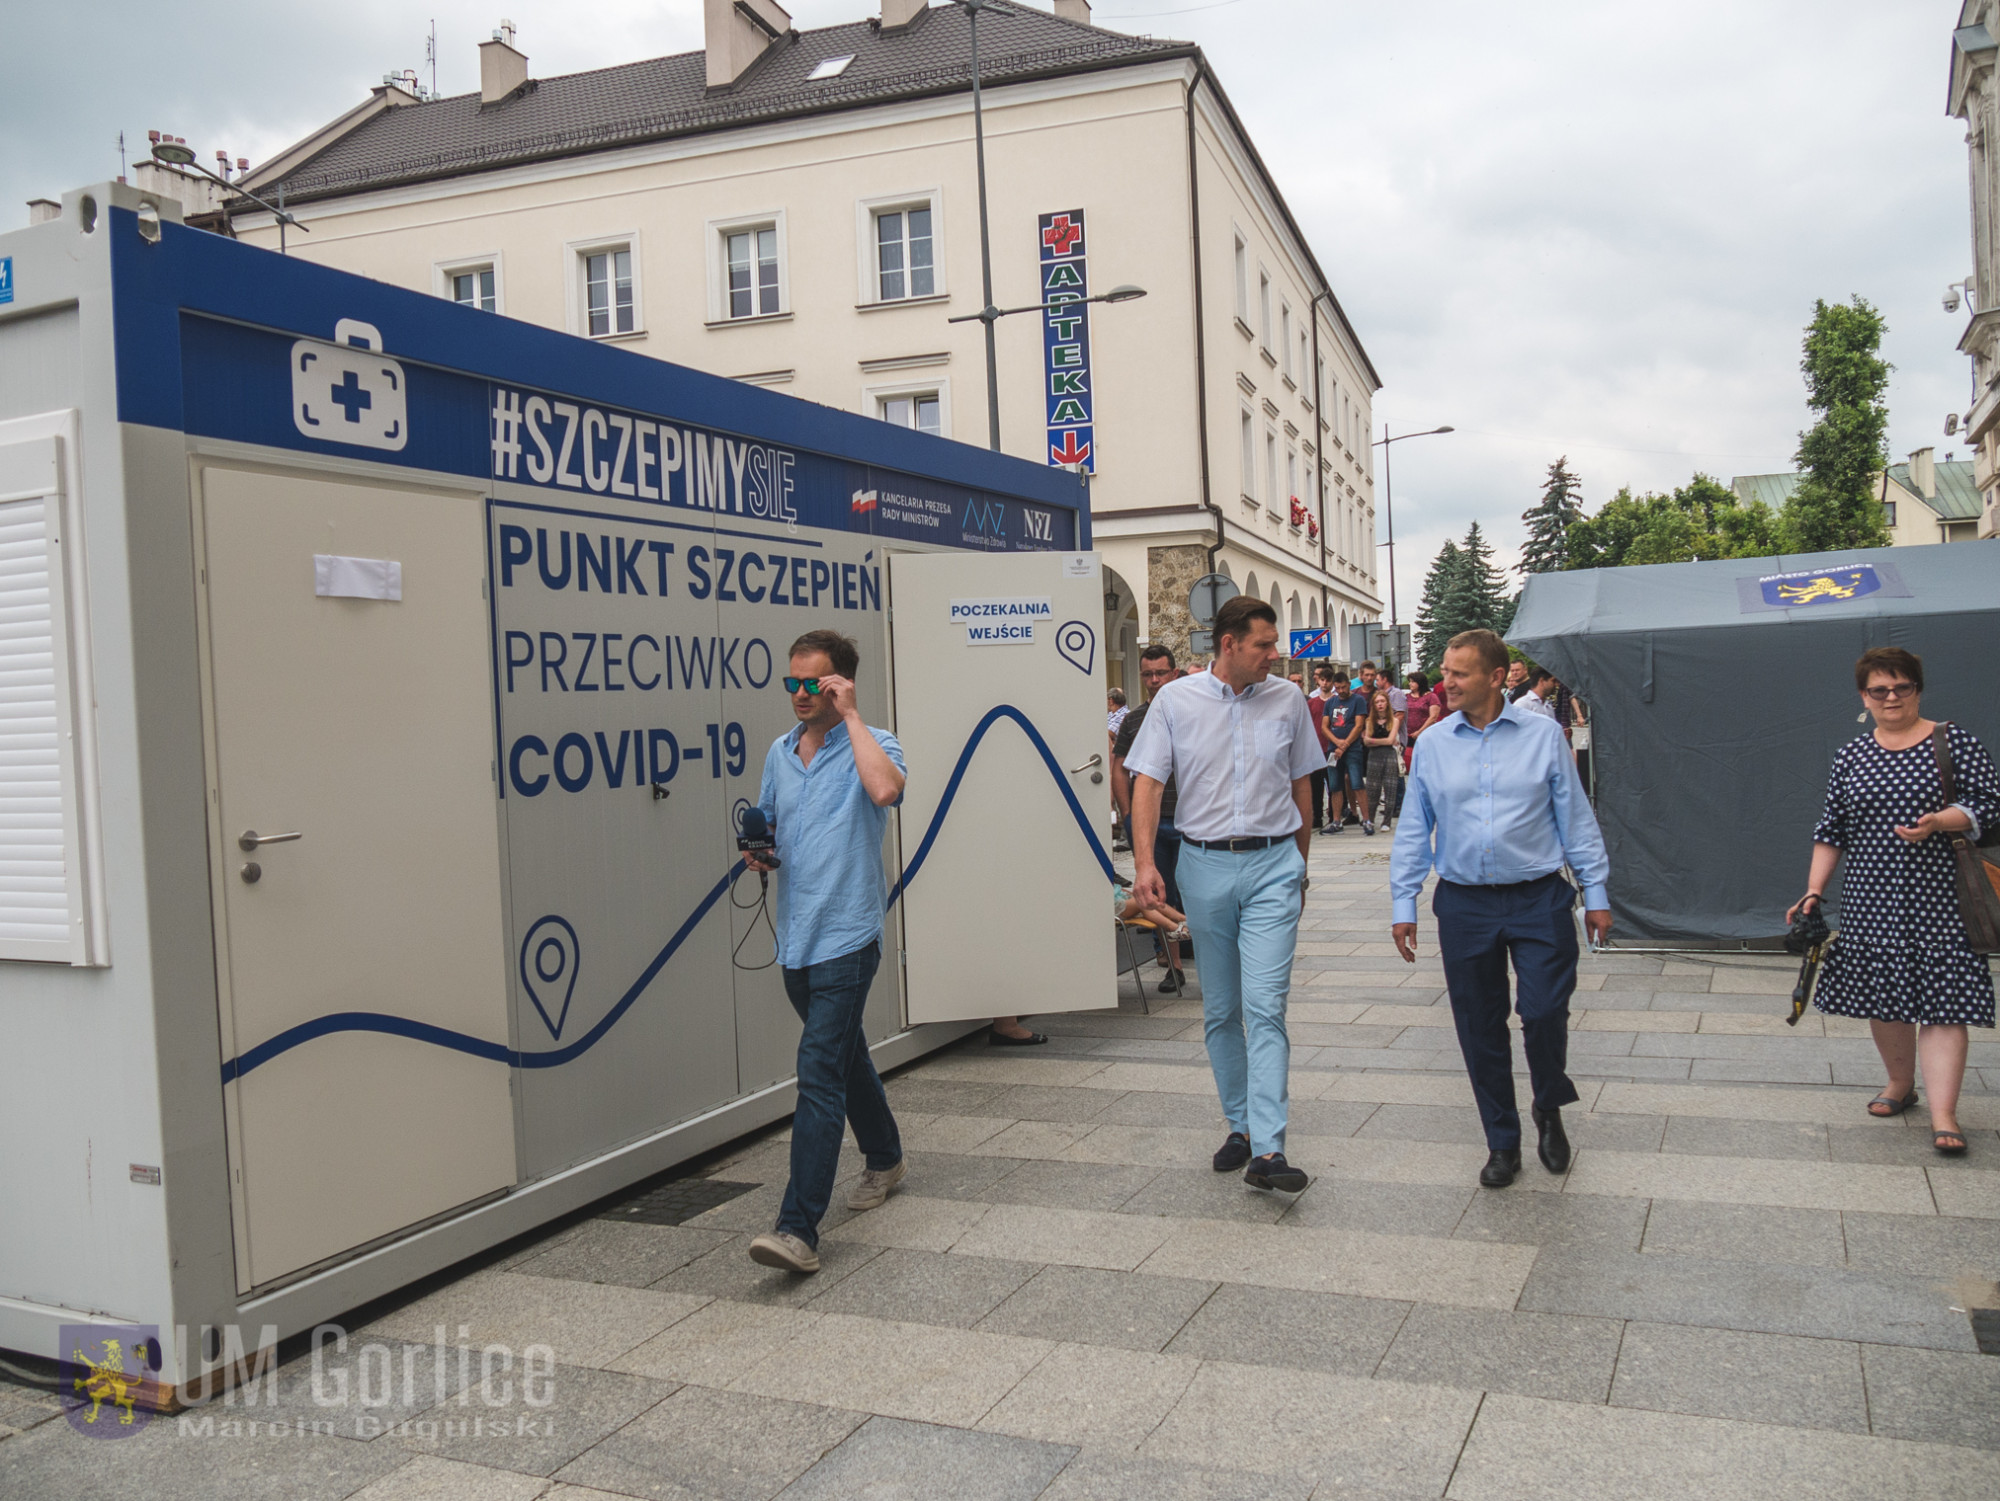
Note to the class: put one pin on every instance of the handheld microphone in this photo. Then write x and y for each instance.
(754, 837)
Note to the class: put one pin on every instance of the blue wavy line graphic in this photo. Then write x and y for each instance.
(499, 1052)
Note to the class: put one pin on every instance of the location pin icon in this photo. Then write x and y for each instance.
(1078, 644)
(550, 956)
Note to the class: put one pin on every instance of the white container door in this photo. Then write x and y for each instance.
(363, 971)
(999, 705)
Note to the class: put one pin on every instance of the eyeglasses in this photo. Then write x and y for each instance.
(1882, 692)
(811, 685)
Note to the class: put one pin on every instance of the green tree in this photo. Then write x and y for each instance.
(1699, 521)
(1549, 521)
(1481, 602)
(1433, 626)
(1835, 505)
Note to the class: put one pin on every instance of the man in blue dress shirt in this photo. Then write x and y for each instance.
(829, 783)
(1497, 790)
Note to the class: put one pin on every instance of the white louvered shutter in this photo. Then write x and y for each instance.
(46, 898)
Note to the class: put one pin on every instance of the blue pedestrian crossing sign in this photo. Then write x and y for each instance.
(1317, 642)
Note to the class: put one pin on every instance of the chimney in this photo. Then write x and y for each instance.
(41, 210)
(1074, 10)
(1923, 472)
(896, 14)
(736, 33)
(502, 69)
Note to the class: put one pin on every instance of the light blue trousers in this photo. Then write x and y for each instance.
(1243, 913)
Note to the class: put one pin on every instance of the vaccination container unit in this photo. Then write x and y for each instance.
(381, 682)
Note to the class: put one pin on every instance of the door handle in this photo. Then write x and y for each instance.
(1093, 761)
(249, 839)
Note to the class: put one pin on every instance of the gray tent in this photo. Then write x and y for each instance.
(1718, 693)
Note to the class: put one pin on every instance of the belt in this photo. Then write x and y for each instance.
(1502, 885)
(1238, 846)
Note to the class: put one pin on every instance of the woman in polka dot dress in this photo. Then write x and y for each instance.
(1901, 958)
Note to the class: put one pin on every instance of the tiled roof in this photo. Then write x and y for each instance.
(1773, 489)
(668, 96)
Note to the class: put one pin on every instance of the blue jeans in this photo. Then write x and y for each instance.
(837, 1083)
(1243, 911)
(1479, 929)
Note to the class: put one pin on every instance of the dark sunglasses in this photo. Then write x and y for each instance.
(811, 685)
(1882, 692)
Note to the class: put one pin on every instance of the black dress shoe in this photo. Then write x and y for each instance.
(1171, 983)
(1553, 1145)
(1272, 1171)
(1233, 1154)
(1500, 1169)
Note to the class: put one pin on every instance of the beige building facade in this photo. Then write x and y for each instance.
(800, 211)
(1975, 99)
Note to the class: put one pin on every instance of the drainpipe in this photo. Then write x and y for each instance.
(1200, 337)
(1319, 467)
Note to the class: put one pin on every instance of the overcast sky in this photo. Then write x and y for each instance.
(1580, 227)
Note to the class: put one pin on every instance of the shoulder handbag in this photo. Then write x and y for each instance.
(1978, 879)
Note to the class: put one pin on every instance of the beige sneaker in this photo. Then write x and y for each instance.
(786, 1251)
(874, 1186)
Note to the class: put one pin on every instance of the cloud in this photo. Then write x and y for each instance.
(1591, 229)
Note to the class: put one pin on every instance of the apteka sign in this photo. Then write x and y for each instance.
(1066, 341)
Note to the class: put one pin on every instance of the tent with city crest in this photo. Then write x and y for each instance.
(1718, 693)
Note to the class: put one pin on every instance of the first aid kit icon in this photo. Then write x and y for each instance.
(349, 391)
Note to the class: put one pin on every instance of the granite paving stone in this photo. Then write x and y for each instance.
(697, 1443)
(1070, 1185)
(1097, 1307)
(586, 1324)
(427, 1477)
(1745, 1232)
(718, 1344)
(1385, 1208)
(1737, 1180)
(587, 1404)
(888, 1460)
(1731, 1373)
(1074, 1237)
(926, 1287)
(728, 1272)
(1945, 1247)
(1941, 1396)
(161, 1463)
(631, 1255)
(1093, 1396)
(1278, 1327)
(1535, 1354)
(953, 1175)
(1095, 1476)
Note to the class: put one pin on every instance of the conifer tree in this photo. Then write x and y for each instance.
(1547, 547)
(1434, 626)
(1484, 604)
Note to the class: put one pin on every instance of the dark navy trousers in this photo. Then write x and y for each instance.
(1479, 929)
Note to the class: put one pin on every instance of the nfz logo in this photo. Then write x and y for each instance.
(1039, 525)
(349, 391)
(986, 518)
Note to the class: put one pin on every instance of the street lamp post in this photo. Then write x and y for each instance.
(988, 314)
(1389, 505)
(176, 154)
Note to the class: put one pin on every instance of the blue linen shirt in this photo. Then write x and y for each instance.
(1505, 804)
(831, 890)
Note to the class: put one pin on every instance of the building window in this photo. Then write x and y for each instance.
(1889, 513)
(750, 257)
(1305, 354)
(1242, 282)
(1264, 307)
(919, 409)
(607, 293)
(1271, 470)
(474, 288)
(1249, 435)
(1285, 336)
(1319, 385)
(1291, 473)
(904, 264)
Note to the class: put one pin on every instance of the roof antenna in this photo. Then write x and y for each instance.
(431, 56)
(121, 156)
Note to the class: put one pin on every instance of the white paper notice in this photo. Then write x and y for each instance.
(357, 578)
(1000, 622)
(1079, 565)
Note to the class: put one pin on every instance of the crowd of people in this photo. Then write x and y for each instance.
(1221, 778)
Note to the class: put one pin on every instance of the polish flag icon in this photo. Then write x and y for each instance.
(1069, 451)
(864, 500)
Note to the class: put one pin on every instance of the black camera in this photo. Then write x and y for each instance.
(1809, 929)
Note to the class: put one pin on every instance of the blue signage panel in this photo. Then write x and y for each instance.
(1066, 342)
(1317, 642)
(6, 278)
(1816, 587)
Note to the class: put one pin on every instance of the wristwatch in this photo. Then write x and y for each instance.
(1305, 883)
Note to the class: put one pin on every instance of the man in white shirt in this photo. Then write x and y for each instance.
(1541, 690)
(1241, 748)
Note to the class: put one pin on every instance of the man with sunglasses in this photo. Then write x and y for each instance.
(829, 783)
